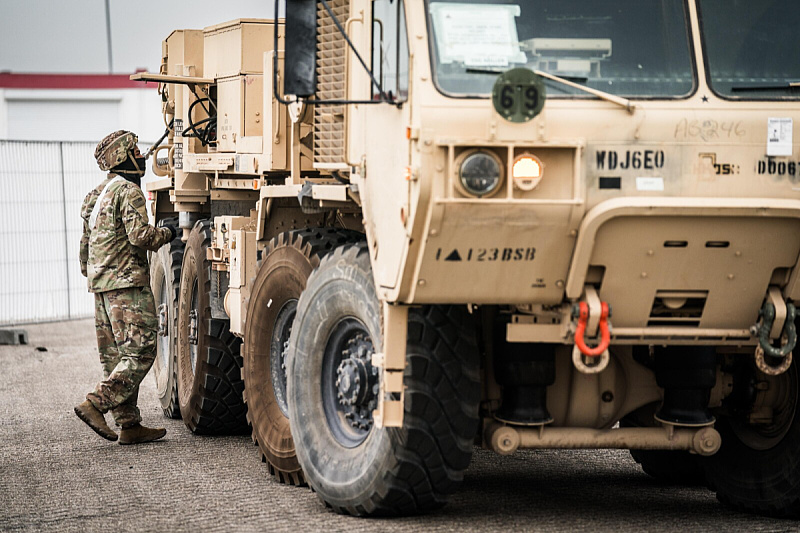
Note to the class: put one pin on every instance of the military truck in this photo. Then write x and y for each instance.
(415, 227)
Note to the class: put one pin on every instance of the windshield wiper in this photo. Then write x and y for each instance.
(780, 87)
(574, 79)
(608, 97)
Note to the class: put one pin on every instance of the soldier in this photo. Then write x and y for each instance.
(113, 255)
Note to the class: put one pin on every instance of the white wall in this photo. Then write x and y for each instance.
(42, 186)
(79, 115)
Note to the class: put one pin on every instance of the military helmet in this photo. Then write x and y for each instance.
(114, 149)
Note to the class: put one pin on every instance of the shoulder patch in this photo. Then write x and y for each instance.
(137, 201)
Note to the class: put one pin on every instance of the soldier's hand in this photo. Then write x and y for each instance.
(173, 231)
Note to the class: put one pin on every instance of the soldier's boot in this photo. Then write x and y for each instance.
(138, 434)
(95, 419)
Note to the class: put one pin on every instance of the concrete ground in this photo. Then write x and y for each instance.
(57, 475)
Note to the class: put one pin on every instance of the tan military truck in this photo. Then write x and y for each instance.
(412, 227)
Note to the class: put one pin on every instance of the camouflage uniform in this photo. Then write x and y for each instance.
(113, 255)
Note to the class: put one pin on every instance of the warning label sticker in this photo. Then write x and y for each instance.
(779, 136)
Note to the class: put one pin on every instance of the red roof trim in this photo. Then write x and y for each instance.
(9, 80)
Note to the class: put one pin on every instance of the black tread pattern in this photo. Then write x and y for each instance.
(441, 418)
(441, 414)
(296, 479)
(218, 407)
(172, 269)
(320, 242)
(313, 243)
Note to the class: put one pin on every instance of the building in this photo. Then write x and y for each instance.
(76, 107)
(64, 66)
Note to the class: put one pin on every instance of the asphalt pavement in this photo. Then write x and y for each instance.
(57, 475)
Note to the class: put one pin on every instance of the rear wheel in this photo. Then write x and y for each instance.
(355, 467)
(165, 277)
(209, 365)
(758, 466)
(287, 263)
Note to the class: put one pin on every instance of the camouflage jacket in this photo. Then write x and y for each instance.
(114, 251)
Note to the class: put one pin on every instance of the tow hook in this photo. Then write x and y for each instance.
(775, 308)
(591, 359)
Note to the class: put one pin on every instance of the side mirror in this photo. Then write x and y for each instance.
(300, 48)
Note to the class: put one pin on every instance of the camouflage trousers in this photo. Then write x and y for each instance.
(126, 324)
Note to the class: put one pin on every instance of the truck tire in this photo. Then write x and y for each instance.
(287, 262)
(165, 278)
(209, 365)
(668, 467)
(354, 467)
(671, 467)
(758, 466)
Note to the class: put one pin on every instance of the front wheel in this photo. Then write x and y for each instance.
(758, 466)
(355, 467)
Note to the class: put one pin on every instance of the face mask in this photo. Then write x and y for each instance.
(132, 169)
(140, 163)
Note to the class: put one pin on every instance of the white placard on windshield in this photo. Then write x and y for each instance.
(477, 35)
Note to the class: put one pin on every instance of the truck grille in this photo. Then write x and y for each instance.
(329, 120)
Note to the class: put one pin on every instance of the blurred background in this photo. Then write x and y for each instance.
(64, 85)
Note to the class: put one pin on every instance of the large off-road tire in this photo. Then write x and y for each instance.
(286, 264)
(209, 365)
(668, 467)
(758, 466)
(165, 279)
(353, 466)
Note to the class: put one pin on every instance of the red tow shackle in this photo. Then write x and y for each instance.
(580, 331)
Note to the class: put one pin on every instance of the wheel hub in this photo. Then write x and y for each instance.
(163, 324)
(193, 327)
(357, 385)
(279, 351)
(162, 362)
(772, 409)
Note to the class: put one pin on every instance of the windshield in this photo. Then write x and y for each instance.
(628, 48)
(751, 47)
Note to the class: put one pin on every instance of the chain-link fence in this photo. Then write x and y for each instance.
(42, 186)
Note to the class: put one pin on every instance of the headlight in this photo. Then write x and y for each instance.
(481, 173)
(527, 172)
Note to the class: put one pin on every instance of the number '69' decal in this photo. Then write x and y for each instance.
(518, 95)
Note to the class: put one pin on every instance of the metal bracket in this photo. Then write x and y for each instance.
(263, 212)
(169, 78)
(595, 310)
(392, 363)
(775, 297)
